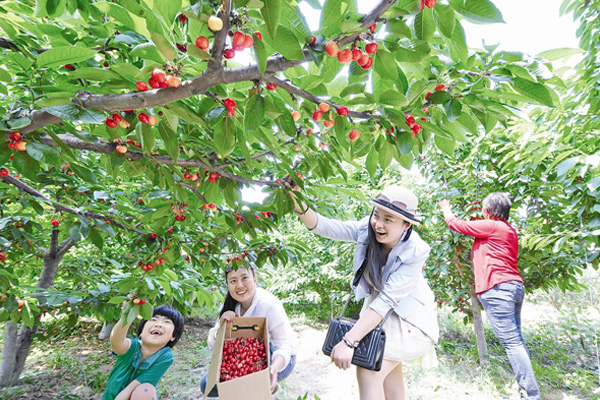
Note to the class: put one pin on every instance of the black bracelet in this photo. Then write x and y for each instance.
(305, 211)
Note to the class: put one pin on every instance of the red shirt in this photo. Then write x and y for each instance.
(494, 252)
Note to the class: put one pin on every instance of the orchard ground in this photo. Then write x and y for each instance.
(75, 365)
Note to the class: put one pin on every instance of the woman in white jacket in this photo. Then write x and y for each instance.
(388, 264)
(245, 299)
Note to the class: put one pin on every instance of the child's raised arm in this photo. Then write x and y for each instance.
(118, 338)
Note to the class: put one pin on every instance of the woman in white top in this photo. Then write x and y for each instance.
(388, 270)
(245, 299)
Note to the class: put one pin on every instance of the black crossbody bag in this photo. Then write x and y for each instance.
(369, 353)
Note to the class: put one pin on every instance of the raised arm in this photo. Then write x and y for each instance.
(118, 338)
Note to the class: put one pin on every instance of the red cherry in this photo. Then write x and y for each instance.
(159, 75)
(271, 86)
(373, 27)
(229, 53)
(353, 135)
(105, 63)
(3, 171)
(368, 64)
(154, 84)
(440, 87)
(110, 123)
(356, 53)
(15, 136)
(55, 222)
(202, 42)
(183, 18)
(238, 39)
(345, 56)
(258, 35)
(182, 47)
(144, 118)
(428, 95)
(317, 115)
(141, 86)
(371, 48)
(342, 111)
(430, 3)
(313, 40)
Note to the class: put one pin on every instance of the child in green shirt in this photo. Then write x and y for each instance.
(142, 361)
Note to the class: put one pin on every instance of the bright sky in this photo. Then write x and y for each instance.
(531, 26)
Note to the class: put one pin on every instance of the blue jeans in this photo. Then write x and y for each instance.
(502, 305)
(281, 375)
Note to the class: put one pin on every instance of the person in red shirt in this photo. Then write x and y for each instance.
(498, 282)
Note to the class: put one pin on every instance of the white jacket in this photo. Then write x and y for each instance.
(405, 289)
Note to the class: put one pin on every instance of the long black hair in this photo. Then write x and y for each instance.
(376, 256)
(230, 303)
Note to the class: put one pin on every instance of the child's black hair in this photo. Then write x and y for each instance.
(171, 313)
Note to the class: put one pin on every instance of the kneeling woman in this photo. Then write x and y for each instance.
(245, 299)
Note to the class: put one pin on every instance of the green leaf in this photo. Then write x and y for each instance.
(148, 51)
(424, 25)
(399, 28)
(557, 54)
(5, 76)
(74, 232)
(372, 161)
(385, 65)
(287, 44)
(260, 54)
(26, 165)
(477, 11)
(533, 90)
(445, 19)
(169, 138)
(224, 140)
(84, 173)
(146, 310)
(94, 74)
(164, 45)
(64, 55)
(393, 98)
(106, 228)
(116, 300)
(18, 123)
(254, 112)
(405, 142)
(65, 111)
(444, 143)
(96, 238)
(44, 153)
(459, 41)
(168, 9)
(412, 51)
(453, 109)
(271, 13)
(440, 97)
(333, 12)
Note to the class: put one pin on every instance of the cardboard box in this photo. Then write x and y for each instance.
(255, 386)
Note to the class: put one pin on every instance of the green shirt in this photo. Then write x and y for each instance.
(130, 367)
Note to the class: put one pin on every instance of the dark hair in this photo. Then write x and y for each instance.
(497, 204)
(230, 303)
(171, 313)
(376, 256)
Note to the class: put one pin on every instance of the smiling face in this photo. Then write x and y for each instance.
(242, 286)
(388, 227)
(158, 331)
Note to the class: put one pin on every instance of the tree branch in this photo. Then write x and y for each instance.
(102, 146)
(59, 207)
(53, 242)
(284, 84)
(220, 36)
(65, 246)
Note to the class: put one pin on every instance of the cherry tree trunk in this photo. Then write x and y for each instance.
(484, 357)
(17, 346)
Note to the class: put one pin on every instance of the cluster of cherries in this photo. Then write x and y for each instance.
(158, 80)
(242, 356)
(4, 171)
(16, 143)
(239, 41)
(428, 4)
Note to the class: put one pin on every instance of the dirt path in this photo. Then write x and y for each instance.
(315, 373)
